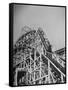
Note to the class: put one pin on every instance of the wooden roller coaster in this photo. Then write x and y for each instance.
(34, 62)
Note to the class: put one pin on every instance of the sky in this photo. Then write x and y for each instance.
(50, 19)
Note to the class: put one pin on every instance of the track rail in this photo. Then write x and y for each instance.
(54, 62)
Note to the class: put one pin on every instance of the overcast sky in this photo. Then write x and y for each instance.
(50, 19)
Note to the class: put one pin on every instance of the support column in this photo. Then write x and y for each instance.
(40, 69)
(15, 78)
(49, 72)
(34, 63)
(62, 78)
(30, 67)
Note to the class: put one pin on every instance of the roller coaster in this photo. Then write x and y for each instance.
(34, 63)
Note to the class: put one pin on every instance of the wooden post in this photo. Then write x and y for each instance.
(34, 63)
(49, 71)
(62, 78)
(40, 69)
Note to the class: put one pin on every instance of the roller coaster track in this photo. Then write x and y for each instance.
(54, 65)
